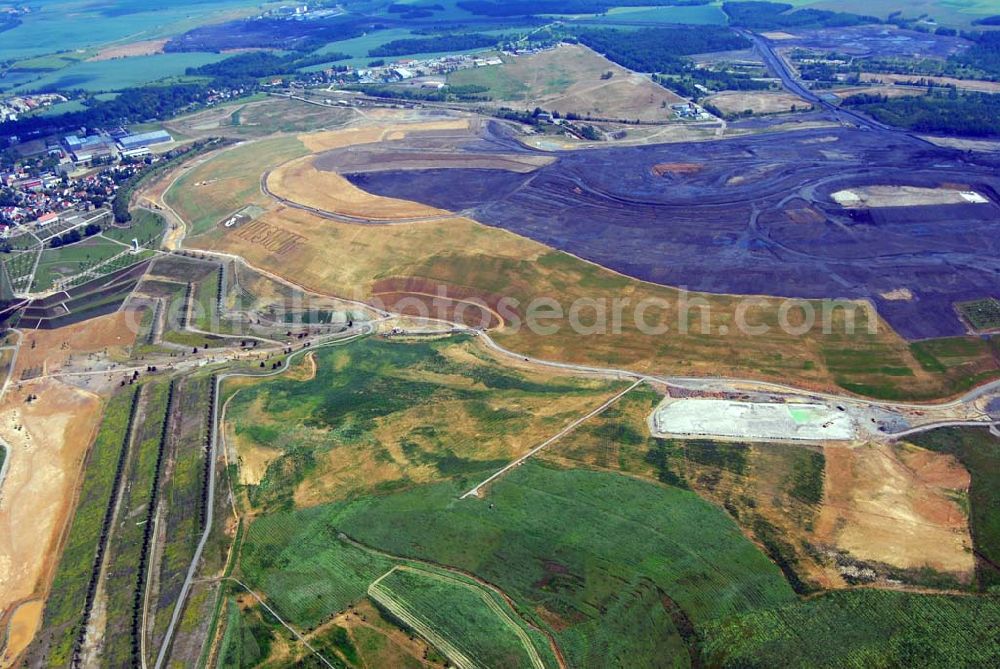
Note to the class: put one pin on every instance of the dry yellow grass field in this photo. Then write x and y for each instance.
(144, 48)
(568, 79)
(962, 84)
(299, 181)
(759, 102)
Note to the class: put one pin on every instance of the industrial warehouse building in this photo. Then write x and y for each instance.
(144, 140)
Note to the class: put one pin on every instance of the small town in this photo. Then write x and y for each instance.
(76, 173)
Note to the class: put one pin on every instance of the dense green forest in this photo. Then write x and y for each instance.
(438, 43)
(970, 114)
(268, 33)
(262, 64)
(132, 106)
(9, 23)
(778, 15)
(659, 49)
(983, 55)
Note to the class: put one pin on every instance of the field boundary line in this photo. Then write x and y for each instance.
(562, 433)
(451, 569)
(491, 603)
(398, 608)
(291, 629)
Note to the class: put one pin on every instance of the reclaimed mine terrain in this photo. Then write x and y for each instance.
(754, 216)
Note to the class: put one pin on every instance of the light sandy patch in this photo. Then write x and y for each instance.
(299, 181)
(49, 351)
(145, 48)
(254, 461)
(335, 139)
(888, 91)
(48, 441)
(904, 196)
(904, 79)
(24, 623)
(759, 102)
(778, 35)
(964, 144)
(897, 295)
(895, 506)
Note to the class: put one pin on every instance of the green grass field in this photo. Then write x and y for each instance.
(62, 618)
(146, 226)
(307, 573)
(182, 498)
(381, 415)
(627, 552)
(623, 17)
(863, 628)
(67, 261)
(125, 547)
(462, 618)
(208, 193)
(117, 74)
(60, 25)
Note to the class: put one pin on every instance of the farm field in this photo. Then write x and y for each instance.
(114, 75)
(55, 25)
(568, 79)
(962, 84)
(960, 13)
(706, 14)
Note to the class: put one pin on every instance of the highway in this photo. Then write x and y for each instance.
(777, 65)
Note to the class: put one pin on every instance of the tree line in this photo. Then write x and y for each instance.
(779, 15)
(660, 49)
(947, 112)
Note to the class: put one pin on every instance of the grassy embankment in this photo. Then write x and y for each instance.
(75, 576)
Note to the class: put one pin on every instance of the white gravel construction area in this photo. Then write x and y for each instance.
(904, 196)
(774, 421)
